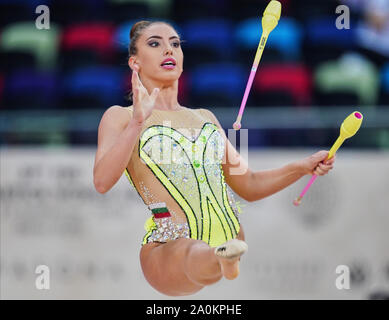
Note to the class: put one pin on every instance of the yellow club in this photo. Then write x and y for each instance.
(349, 127)
(271, 15)
(270, 18)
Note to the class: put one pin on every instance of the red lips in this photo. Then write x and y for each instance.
(173, 61)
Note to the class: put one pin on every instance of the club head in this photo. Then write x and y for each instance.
(271, 15)
(351, 125)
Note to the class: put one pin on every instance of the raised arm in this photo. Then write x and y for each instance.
(118, 133)
(117, 136)
(257, 185)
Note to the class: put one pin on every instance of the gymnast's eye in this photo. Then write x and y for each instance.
(176, 44)
(151, 44)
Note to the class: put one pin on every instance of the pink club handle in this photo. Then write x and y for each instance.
(247, 91)
(313, 178)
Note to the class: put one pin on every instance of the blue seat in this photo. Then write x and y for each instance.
(25, 89)
(219, 84)
(122, 35)
(92, 87)
(211, 34)
(323, 31)
(385, 78)
(286, 37)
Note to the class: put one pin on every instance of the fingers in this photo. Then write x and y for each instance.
(324, 166)
(134, 82)
(136, 86)
(330, 161)
(319, 172)
(135, 96)
(140, 84)
(321, 155)
(322, 169)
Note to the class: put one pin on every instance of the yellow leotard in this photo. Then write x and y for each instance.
(176, 168)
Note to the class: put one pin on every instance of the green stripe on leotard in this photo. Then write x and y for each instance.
(197, 184)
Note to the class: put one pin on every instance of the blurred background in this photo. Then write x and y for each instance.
(55, 85)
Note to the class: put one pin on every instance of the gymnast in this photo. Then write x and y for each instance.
(181, 164)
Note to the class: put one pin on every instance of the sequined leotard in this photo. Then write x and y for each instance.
(176, 169)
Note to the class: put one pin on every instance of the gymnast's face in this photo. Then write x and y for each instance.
(158, 42)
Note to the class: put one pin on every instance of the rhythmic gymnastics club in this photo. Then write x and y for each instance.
(270, 18)
(349, 127)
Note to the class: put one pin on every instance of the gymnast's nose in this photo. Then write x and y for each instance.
(168, 50)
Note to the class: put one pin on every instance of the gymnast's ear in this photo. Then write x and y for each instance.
(132, 64)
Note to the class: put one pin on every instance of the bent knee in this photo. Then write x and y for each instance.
(163, 269)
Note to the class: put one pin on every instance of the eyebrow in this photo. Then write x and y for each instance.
(158, 37)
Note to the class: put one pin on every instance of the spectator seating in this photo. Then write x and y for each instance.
(384, 97)
(323, 41)
(25, 37)
(12, 60)
(75, 11)
(218, 84)
(87, 43)
(26, 89)
(293, 80)
(203, 46)
(286, 38)
(158, 8)
(93, 87)
(351, 73)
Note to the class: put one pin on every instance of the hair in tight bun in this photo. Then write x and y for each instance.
(135, 33)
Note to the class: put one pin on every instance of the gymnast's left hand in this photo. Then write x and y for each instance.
(317, 163)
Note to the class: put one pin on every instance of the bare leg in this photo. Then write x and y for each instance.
(201, 264)
(185, 266)
(204, 267)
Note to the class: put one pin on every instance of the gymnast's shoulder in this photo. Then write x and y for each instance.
(125, 113)
(116, 116)
(209, 115)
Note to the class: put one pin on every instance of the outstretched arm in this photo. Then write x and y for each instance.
(255, 185)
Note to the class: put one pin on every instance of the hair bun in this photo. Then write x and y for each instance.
(135, 26)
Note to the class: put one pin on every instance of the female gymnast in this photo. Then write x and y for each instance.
(193, 235)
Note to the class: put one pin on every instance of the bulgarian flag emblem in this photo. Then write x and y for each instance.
(159, 210)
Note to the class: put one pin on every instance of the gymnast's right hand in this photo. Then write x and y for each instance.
(143, 102)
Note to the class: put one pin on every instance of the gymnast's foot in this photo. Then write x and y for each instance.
(228, 255)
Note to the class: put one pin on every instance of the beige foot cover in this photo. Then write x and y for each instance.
(231, 249)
